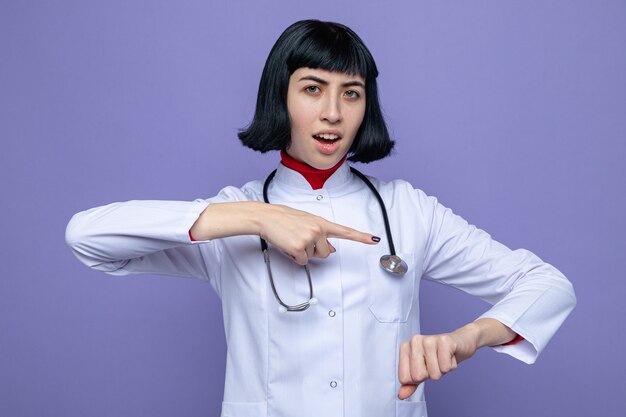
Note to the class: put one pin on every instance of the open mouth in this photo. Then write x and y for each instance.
(326, 138)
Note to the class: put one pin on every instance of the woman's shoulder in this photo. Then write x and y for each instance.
(402, 195)
(400, 188)
(250, 191)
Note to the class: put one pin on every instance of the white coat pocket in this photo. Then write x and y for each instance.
(411, 409)
(391, 296)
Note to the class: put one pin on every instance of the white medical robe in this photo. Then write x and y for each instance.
(339, 357)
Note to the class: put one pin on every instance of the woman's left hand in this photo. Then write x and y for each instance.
(432, 356)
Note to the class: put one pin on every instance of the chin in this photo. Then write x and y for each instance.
(325, 163)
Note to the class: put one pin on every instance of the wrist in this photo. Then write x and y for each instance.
(491, 332)
(220, 220)
(245, 218)
(472, 333)
(256, 217)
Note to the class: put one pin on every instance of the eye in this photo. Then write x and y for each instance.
(312, 89)
(352, 94)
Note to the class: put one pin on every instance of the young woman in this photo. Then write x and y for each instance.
(319, 319)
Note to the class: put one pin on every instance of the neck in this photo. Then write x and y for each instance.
(315, 177)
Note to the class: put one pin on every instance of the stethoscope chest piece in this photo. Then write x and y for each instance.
(393, 264)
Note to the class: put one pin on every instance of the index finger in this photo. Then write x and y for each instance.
(345, 232)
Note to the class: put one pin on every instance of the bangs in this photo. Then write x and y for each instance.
(327, 48)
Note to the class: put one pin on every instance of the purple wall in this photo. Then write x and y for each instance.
(512, 113)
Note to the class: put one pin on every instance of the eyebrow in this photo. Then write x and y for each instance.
(324, 82)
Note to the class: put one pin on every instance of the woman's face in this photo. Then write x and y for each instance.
(325, 110)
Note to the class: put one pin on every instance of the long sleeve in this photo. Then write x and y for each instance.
(528, 295)
(141, 237)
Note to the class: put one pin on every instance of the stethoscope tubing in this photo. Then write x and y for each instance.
(392, 263)
(381, 203)
(392, 248)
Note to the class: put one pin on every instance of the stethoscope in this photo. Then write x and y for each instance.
(391, 263)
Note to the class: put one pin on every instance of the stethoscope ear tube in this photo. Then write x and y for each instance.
(391, 263)
(381, 203)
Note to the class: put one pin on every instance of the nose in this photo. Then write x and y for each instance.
(331, 111)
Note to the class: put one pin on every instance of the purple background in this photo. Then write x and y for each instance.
(512, 113)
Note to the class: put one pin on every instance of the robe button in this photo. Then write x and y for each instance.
(333, 384)
(331, 313)
(319, 197)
